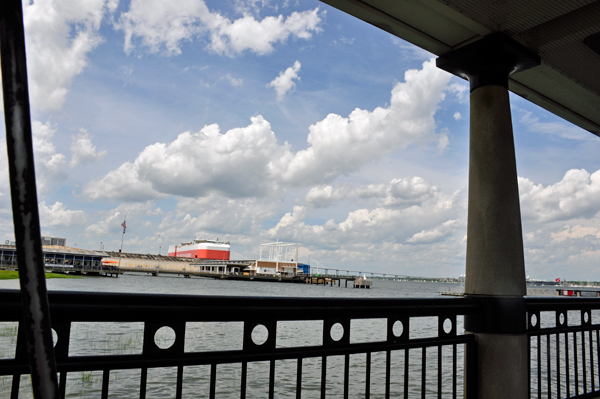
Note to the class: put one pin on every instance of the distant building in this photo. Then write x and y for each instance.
(303, 268)
(276, 258)
(49, 240)
(201, 249)
(57, 258)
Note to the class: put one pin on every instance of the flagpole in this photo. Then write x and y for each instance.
(122, 236)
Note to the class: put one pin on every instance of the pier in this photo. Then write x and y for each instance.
(188, 272)
(578, 292)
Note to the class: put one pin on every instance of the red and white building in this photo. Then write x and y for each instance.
(201, 249)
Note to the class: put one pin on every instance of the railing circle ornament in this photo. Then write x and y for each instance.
(561, 318)
(164, 337)
(533, 320)
(54, 337)
(337, 332)
(397, 328)
(260, 334)
(448, 326)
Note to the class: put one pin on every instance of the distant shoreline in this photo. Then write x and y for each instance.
(13, 275)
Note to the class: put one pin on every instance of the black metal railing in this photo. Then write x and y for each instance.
(399, 355)
(564, 337)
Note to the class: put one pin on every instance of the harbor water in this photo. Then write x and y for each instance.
(126, 338)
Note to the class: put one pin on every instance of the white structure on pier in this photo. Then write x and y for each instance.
(276, 258)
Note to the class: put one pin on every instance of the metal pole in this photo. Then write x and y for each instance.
(122, 236)
(36, 312)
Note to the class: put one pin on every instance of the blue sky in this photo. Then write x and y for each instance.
(255, 121)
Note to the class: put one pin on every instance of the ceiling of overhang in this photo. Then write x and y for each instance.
(563, 33)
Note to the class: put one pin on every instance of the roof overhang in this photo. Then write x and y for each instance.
(564, 34)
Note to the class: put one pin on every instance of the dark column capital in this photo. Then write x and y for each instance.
(488, 61)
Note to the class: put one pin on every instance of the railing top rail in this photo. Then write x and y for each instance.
(87, 306)
(565, 303)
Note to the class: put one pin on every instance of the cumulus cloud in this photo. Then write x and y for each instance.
(457, 116)
(249, 162)
(49, 164)
(327, 195)
(578, 231)
(563, 250)
(460, 90)
(167, 25)
(576, 195)
(216, 213)
(59, 36)
(434, 235)
(58, 215)
(399, 192)
(123, 184)
(423, 217)
(339, 145)
(238, 163)
(108, 222)
(83, 150)
(285, 81)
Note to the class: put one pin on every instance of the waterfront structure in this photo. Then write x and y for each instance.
(58, 258)
(552, 47)
(276, 258)
(201, 249)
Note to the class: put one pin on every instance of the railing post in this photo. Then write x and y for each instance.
(36, 314)
(495, 269)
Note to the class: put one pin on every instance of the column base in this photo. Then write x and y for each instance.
(502, 366)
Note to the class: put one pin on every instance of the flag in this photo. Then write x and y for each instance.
(124, 226)
(557, 280)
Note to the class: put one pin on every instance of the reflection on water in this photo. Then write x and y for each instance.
(126, 338)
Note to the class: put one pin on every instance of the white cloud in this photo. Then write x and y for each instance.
(108, 222)
(576, 195)
(83, 150)
(460, 90)
(560, 129)
(339, 145)
(216, 213)
(403, 212)
(162, 23)
(247, 33)
(248, 161)
(399, 192)
(567, 251)
(285, 81)
(123, 184)
(5, 201)
(234, 81)
(578, 231)
(58, 215)
(159, 24)
(325, 196)
(434, 235)
(457, 116)
(49, 165)
(59, 36)
(238, 163)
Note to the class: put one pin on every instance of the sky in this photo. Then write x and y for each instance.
(255, 121)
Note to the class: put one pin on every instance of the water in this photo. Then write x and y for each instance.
(145, 283)
(126, 338)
